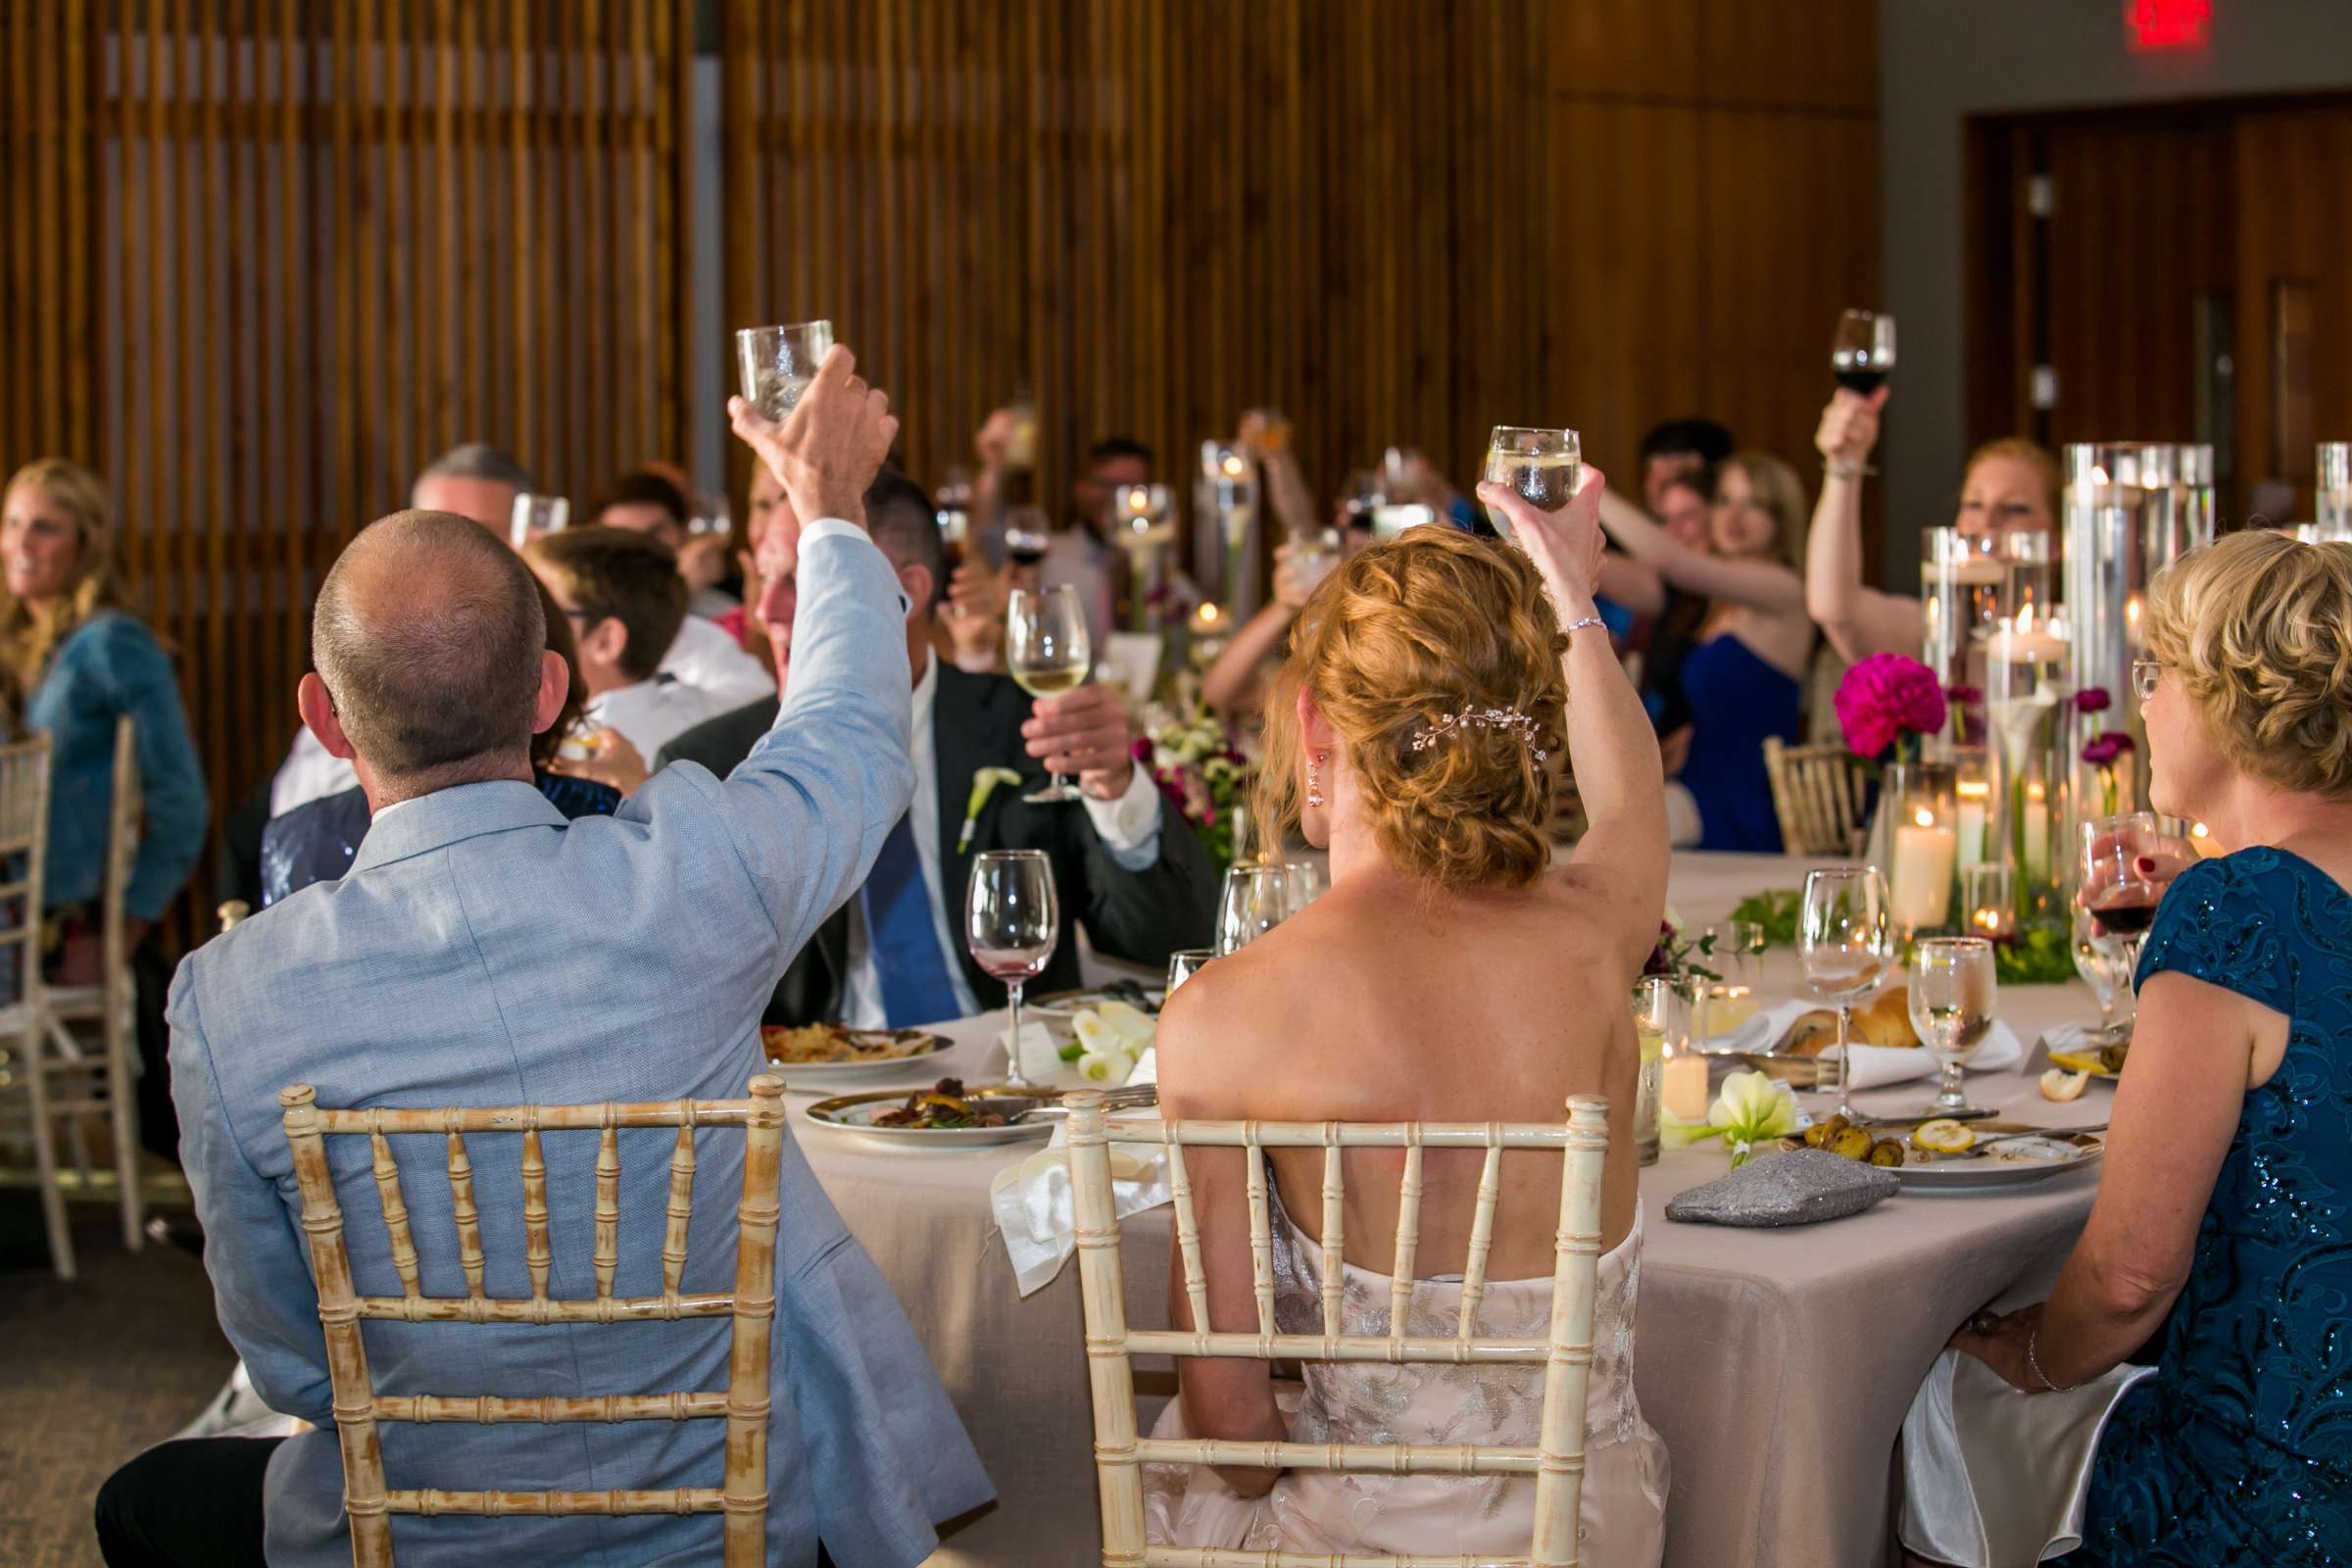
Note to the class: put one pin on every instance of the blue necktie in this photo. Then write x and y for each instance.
(915, 988)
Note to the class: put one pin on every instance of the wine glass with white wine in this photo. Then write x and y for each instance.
(1047, 651)
(1543, 465)
(1843, 942)
(1952, 988)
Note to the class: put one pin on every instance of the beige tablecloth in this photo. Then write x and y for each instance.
(1776, 1365)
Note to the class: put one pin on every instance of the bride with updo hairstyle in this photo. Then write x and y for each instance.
(1455, 970)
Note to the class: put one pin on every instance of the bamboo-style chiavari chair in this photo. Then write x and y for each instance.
(743, 1404)
(25, 1020)
(1817, 795)
(1557, 1461)
(104, 1083)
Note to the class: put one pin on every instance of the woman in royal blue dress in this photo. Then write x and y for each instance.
(1743, 677)
(2225, 1211)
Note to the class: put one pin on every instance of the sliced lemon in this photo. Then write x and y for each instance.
(1942, 1136)
(2060, 1085)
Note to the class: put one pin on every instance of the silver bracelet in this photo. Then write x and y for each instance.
(1588, 620)
(2034, 1363)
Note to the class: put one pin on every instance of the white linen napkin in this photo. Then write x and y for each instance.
(1874, 1065)
(1037, 1213)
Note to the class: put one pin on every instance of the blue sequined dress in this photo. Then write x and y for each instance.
(2239, 1450)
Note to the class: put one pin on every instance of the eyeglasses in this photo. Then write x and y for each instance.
(2145, 674)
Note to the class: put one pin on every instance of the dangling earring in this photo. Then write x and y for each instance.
(1314, 779)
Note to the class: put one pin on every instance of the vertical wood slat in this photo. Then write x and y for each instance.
(680, 1209)
(1262, 1239)
(1334, 1245)
(1188, 1228)
(536, 1253)
(608, 1210)
(747, 1397)
(1409, 1241)
(1481, 1237)
(468, 1219)
(396, 1213)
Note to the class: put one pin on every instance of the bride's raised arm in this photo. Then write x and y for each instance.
(1611, 748)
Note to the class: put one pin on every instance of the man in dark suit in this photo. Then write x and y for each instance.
(1124, 866)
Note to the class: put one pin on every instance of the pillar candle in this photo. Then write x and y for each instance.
(1974, 799)
(1924, 858)
(2037, 832)
(1683, 1086)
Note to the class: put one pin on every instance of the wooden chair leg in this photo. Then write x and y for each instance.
(123, 1107)
(44, 1149)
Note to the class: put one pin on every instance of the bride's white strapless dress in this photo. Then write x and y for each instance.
(1622, 1520)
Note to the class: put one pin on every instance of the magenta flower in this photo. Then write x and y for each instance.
(2093, 700)
(1965, 695)
(1886, 698)
(2106, 748)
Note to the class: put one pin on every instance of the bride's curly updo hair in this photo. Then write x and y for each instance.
(1433, 623)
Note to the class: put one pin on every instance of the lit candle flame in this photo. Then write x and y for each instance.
(1233, 464)
(1209, 612)
(2034, 790)
(1974, 789)
(1924, 818)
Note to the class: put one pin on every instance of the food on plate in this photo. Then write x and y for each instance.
(1847, 1141)
(1884, 1021)
(1942, 1136)
(2107, 1059)
(2060, 1085)
(834, 1043)
(941, 1106)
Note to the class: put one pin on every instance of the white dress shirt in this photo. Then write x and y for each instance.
(1129, 828)
(703, 655)
(307, 774)
(650, 711)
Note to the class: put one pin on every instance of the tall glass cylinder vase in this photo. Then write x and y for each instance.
(2332, 499)
(1915, 843)
(2123, 520)
(2027, 696)
(1227, 528)
(2033, 578)
(1963, 591)
(2193, 493)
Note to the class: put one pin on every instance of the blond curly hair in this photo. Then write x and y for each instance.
(2257, 629)
(1431, 623)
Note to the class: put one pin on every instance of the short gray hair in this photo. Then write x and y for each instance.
(477, 459)
(428, 634)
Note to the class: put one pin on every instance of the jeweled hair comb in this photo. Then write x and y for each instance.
(1482, 718)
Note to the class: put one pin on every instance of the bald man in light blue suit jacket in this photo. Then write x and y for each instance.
(482, 951)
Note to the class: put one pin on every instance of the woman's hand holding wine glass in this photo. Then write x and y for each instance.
(1566, 545)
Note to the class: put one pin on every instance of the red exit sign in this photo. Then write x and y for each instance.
(2151, 26)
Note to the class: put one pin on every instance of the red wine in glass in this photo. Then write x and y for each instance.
(1026, 556)
(2129, 919)
(1861, 378)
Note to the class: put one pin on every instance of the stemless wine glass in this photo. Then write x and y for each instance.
(1012, 922)
(1862, 352)
(1543, 465)
(1843, 942)
(2119, 895)
(1045, 650)
(1315, 554)
(778, 362)
(1305, 881)
(536, 514)
(1952, 985)
(1257, 899)
(1185, 964)
(2099, 960)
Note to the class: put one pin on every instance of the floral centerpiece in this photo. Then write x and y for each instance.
(1202, 774)
(1678, 958)
(1888, 706)
(2102, 751)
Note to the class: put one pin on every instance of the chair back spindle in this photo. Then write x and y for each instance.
(1816, 796)
(1556, 1461)
(742, 1499)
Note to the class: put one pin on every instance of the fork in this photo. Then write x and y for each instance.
(2060, 1133)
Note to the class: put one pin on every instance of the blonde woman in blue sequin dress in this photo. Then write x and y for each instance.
(2224, 1219)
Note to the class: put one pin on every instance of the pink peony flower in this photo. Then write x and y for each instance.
(1885, 698)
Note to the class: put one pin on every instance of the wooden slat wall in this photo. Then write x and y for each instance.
(1398, 221)
(2293, 171)
(268, 256)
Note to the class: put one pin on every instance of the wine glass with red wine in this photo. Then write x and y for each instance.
(1027, 535)
(1862, 354)
(1012, 920)
(2123, 880)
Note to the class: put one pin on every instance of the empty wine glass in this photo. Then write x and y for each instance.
(2123, 879)
(1045, 650)
(1184, 964)
(1862, 352)
(2099, 960)
(1012, 922)
(777, 363)
(1545, 466)
(1305, 883)
(1952, 987)
(1257, 899)
(1843, 942)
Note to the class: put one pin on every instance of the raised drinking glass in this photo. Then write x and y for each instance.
(1012, 920)
(1862, 350)
(1045, 650)
(777, 363)
(1545, 466)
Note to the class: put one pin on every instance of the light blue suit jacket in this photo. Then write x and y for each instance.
(484, 952)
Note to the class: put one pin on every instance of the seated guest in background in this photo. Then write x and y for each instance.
(76, 663)
(483, 951)
(316, 842)
(1079, 555)
(474, 480)
(2224, 1215)
(1451, 973)
(2010, 486)
(623, 596)
(1235, 685)
(1124, 867)
(656, 501)
(1744, 673)
(1676, 448)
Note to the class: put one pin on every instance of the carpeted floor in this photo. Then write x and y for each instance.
(90, 1373)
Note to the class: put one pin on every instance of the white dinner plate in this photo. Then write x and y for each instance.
(852, 1116)
(802, 1075)
(2019, 1164)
